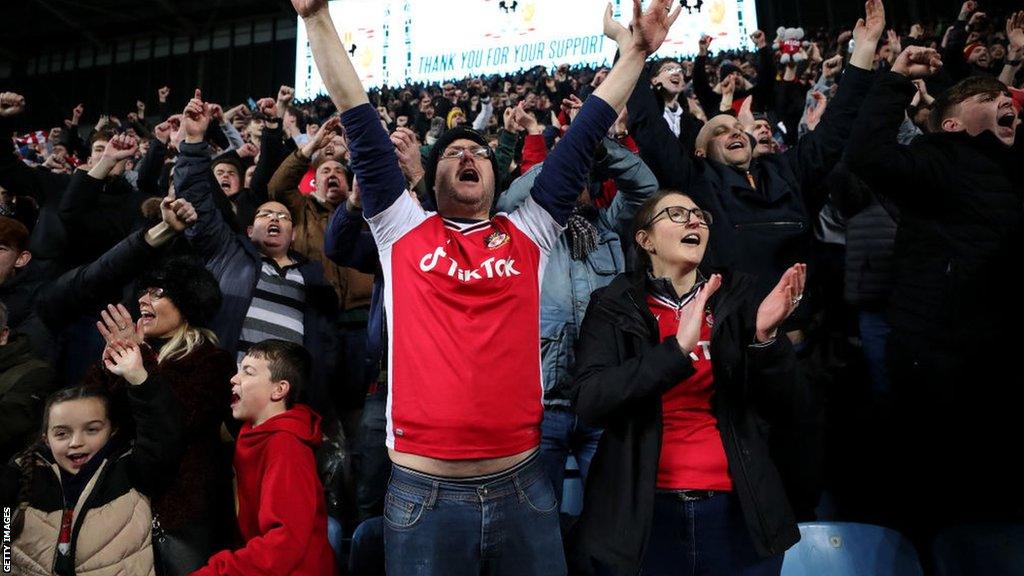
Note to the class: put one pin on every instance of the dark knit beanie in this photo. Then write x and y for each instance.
(445, 140)
(188, 284)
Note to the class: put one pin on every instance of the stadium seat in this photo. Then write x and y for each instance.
(989, 549)
(849, 549)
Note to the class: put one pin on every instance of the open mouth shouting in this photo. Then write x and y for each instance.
(273, 230)
(225, 185)
(691, 239)
(469, 174)
(78, 459)
(1006, 120)
(147, 316)
(736, 145)
(333, 185)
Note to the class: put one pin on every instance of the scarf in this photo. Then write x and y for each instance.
(581, 232)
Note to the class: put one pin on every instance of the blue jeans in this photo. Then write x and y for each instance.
(706, 537)
(561, 435)
(506, 523)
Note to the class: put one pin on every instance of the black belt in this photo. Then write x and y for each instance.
(691, 495)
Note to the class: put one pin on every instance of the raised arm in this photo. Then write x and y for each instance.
(635, 182)
(373, 156)
(567, 167)
(193, 181)
(874, 152)
(819, 151)
(330, 55)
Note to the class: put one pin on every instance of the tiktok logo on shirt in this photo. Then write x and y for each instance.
(489, 268)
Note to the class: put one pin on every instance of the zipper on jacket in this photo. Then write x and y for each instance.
(775, 224)
(56, 549)
(746, 481)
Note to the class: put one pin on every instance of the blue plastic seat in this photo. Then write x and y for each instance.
(849, 549)
(989, 549)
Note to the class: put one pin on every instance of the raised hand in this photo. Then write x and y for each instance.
(241, 111)
(527, 120)
(780, 302)
(976, 20)
(759, 39)
(728, 85)
(268, 107)
(832, 66)
(196, 118)
(691, 317)
(407, 148)
(76, 115)
(510, 121)
(165, 129)
(11, 104)
(120, 147)
(162, 93)
(321, 138)
(916, 31)
(248, 150)
(217, 113)
(870, 28)
(124, 358)
(650, 27)
(613, 29)
(177, 213)
(307, 8)
(116, 324)
(704, 44)
(893, 39)
(816, 109)
(1015, 31)
(917, 62)
(285, 95)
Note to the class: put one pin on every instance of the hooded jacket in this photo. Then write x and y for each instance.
(282, 513)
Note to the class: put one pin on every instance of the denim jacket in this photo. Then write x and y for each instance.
(568, 283)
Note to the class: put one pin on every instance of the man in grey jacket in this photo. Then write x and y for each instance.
(589, 253)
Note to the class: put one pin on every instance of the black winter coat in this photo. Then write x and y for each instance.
(764, 230)
(961, 234)
(622, 372)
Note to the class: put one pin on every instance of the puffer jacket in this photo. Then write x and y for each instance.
(568, 283)
(112, 524)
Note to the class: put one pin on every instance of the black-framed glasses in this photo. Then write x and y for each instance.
(681, 215)
(154, 293)
(480, 152)
(273, 214)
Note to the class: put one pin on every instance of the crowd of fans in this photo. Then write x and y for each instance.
(726, 285)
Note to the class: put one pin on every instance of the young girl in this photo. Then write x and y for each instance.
(81, 494)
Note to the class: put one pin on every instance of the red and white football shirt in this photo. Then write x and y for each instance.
(463, 314)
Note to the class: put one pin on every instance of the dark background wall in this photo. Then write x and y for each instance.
(107, 53)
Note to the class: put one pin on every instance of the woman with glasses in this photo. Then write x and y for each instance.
(686, 375)
(177, 300)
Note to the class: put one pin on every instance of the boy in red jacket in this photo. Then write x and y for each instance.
(282, 513)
